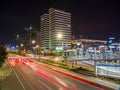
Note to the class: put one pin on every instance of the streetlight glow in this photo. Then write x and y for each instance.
(21, 45)
(59, 36)
(33, 41)
(37, 46)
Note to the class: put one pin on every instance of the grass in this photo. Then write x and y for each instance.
(4, 70)
(64, 64)
(55, 63)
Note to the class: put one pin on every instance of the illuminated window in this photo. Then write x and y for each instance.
(42, 19)
(68, 25)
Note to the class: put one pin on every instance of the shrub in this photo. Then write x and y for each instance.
(3, 55)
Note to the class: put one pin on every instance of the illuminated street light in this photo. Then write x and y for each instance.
(16, 46)
(21, 45)
(59, 36)
(33, 41)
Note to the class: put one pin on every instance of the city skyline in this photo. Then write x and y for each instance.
(93, 19)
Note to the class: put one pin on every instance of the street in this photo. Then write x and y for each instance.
(36, 76)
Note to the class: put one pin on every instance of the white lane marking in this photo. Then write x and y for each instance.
(19, 79)
(61, 82)
(45, 85)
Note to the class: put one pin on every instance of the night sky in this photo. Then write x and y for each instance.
(95, 19)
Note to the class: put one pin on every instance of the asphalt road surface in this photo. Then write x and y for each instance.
(36, 76)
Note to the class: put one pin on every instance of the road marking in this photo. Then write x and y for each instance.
(45, 85)
(19, 79)
(60, 81)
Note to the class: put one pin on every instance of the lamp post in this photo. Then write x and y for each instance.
(22, 48)
(21, 45)
(33, 47)
(37, 48)
(17, 48)
(33, 41)
(60, 37)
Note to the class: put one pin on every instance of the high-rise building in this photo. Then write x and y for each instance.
(56, 27)
(26, 36)
(44, 30)
(60, 27)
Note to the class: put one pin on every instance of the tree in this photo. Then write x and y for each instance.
(3, 55)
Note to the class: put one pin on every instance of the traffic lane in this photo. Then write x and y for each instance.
(28, 77)
(11, 83)
(31, 80)
(48, 82)
(51, 77)
(64, 80)
(42, 79)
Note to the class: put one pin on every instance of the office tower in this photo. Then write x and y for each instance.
(55, 29)
(44, 31)
(59, 28)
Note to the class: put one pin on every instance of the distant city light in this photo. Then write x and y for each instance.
(59, 48)
(21, 45)
(13, 47)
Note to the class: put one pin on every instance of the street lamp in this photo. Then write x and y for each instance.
(36, 48)
(33, 41)
(21, 45)
(60, 36)
(17, 48)
(22, 48)
(32, 45)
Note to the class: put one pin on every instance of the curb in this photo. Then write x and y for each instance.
(88, 81)
(99, 85)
